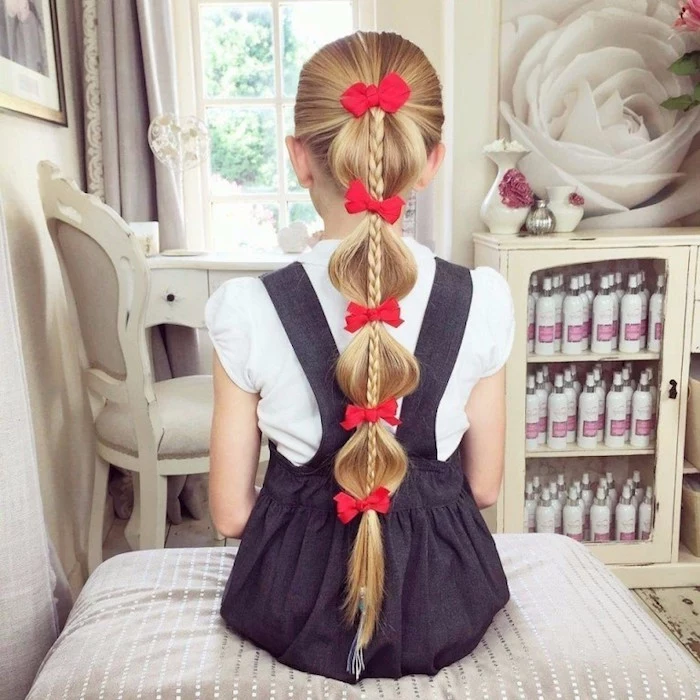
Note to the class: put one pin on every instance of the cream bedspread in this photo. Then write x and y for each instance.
(147, 625)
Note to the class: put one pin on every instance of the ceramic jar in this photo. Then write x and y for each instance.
(494, 213)
(567, 215)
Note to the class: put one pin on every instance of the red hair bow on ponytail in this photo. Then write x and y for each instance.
(354, 415)
(358, 315)
(391, 94)
(357, 199)
(348, 507)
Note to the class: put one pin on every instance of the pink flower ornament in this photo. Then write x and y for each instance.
(576, 200)
(689, 16)
(514, 190)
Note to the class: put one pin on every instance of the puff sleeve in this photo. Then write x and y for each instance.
(228, 320)
(494, 299)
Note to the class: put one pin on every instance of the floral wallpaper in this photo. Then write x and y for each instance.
(581, 87)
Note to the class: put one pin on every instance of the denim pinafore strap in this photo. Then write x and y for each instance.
(439, 342)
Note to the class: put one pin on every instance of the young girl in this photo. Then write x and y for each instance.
(375, 371)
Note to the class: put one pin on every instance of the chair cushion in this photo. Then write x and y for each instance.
(185, 407)
(147, 625)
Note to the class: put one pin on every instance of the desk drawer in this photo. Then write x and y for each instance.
(218, 277)
(178, 296)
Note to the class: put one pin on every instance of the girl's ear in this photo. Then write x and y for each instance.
(300, 161)
(432, 165)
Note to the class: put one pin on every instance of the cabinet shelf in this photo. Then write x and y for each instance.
(601, 451)
(592, 357)
(688, 468)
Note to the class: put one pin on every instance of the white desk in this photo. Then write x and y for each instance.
(181, 285)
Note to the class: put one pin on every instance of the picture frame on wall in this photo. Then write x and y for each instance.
(31, 76)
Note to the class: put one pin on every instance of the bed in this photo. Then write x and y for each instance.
(147, 625)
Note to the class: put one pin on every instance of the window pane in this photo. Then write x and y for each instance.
(237, 50)
(247, 225)
(288, 127)
(306, 26)
(304, 211)
(243, 149)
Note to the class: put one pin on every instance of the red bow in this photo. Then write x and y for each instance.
(348, 507)
(391, 94)
(354, 415)
(388, 311)
(357, 199)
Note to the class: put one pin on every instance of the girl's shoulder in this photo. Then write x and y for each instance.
(236, 316)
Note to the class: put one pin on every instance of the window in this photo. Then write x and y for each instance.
(248, 55)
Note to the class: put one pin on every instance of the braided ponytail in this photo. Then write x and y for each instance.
(387, 153)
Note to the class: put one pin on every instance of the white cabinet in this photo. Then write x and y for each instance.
(657, 561)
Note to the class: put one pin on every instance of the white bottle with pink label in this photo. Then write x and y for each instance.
(615, 414)
(529, 523)
(640, 435)
(532, 415)
(545, 320)
(587, 496)
(625, 512)
(586, 304)
(588, 415)
(600, 393)
(631, 318)
(572, 314)
(600, 517)
(628, 391)
(558, 292)
(656, 320)
(571, 407)
(646, 511)
(544, 515)
(616, 310)
(542, 396)
(603, 320)
(531, 304)
(557, 416)
(573, 517)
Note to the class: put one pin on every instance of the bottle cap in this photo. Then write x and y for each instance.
(661, 280)
(604, 283)
(545, 494)
(547, 283)
(626, 493)
(559, 380)
(617, 378)
(540, 376)
(560, 479)
(573, 284)
(567, 375)
(585, 479)
(530, 381)
(600, 493)
(573, 493)
(636, 475)
(590, 379)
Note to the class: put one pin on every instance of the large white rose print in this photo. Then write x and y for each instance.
(581, 84)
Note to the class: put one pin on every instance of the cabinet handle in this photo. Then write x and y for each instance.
(170, 298)
(673, 391)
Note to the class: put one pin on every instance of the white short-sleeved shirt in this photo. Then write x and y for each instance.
(256, 354)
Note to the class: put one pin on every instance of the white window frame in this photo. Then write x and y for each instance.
(364, 17)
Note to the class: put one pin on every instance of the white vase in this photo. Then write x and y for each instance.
(497, 216)
(568, 215)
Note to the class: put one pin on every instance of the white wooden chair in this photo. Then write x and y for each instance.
(153, 429)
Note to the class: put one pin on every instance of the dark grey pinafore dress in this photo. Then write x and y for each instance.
(444, 579)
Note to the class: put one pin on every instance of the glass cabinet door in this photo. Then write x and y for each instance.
(612, 444)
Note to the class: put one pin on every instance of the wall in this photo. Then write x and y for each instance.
(61, 423)
(460, 37)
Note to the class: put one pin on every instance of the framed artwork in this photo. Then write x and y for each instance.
(31, 79)
(581, 87)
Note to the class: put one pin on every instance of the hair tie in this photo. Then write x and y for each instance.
(358, 199)
(348, 506)
(391, 94)
(354, 415)
(388, 312)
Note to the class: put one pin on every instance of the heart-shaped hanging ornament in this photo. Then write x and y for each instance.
(179, 143)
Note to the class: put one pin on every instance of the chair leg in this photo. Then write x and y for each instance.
(97, 513)
(154, 494)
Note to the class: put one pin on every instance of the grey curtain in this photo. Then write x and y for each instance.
(34, 594)
(130, 78)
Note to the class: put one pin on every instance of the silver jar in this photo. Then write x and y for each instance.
(540, 221)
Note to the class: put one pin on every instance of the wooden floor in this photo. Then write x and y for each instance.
(676, 610)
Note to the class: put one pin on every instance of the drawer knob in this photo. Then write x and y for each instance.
(673, 391)
(170, 297)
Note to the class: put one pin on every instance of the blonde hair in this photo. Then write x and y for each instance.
(388, 153)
